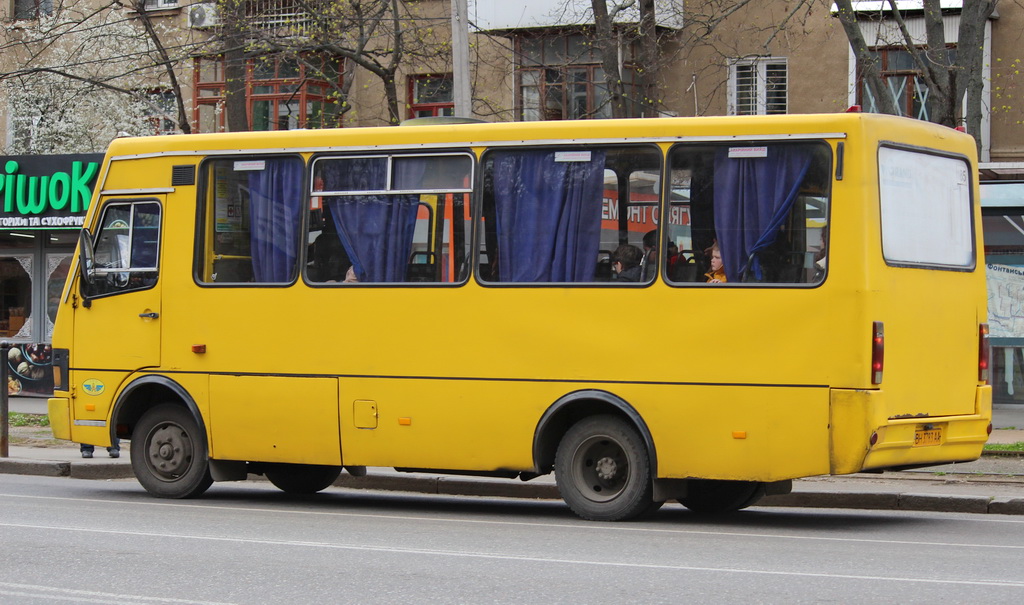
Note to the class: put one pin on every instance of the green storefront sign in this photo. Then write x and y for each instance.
(46, 192)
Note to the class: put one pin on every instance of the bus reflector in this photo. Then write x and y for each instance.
(984, 353)
(877, 352)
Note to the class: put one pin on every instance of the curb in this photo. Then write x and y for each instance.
(43, 468)
(52, 468)
(861, 501)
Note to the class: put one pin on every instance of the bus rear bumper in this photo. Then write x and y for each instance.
(863, 439)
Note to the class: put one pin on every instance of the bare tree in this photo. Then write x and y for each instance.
(78, 76)
(949, 76)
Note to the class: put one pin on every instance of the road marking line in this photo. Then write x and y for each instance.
(585, 525)
(53, 593)
(519, 558)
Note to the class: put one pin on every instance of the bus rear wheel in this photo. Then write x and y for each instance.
(302, 478)
(603, 470)
(169, 455)
(712, 496)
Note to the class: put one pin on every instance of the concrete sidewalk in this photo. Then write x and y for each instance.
(993, 484)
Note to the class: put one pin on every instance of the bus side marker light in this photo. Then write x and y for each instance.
(405, 421)
(877, 352)
(873, 439)
(90, 407)
(984, 353)
(989, 429)
(739, 434)
(199, 349)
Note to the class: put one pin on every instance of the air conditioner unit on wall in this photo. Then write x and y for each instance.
(203, 15)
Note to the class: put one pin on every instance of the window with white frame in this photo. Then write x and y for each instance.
(156, 5)
(758, 86)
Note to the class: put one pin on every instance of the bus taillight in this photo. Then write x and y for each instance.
(877, 352)
(984, 353)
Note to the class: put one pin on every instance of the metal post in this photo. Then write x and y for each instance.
(4, 403)
(462, 93)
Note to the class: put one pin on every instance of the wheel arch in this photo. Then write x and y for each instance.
(575, 406)
(145, 393)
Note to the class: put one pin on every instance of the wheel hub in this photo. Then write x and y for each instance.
(170, 451)
(606, 468)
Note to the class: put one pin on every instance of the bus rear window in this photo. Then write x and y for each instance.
(926, 209)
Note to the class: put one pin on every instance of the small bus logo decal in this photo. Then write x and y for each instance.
(93, 386)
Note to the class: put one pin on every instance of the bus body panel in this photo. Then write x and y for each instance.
(297, 416)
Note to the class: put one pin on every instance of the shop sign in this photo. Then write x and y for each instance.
(46, 191)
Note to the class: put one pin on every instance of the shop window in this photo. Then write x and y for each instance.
(57, 267)
(1003, 224)
(758, 86)
(431, 96)
(281, 93)
(559, 77)
(253, 213)
(16, 296)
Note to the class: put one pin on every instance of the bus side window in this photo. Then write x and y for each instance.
(398, 218)
(764, 205)
(555, 215)
(253, 213)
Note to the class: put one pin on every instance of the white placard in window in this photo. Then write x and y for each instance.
(926, 209)
(748, 152)
(572, 156)
(249, 165)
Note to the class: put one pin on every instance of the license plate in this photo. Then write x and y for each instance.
(927, 437)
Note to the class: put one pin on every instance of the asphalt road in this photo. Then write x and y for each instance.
(67, 540)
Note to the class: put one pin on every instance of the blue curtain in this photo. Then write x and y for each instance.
(376, 230)
(275, 210)
(548, 216)
(753, 197)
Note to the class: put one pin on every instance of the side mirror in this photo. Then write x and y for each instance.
(86, 256)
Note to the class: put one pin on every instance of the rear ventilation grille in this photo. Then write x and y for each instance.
(183, 175)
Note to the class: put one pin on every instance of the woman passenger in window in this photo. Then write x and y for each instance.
(717, 273)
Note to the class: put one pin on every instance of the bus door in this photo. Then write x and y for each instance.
(117, 318)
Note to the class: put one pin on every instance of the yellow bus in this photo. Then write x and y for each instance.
(519, 299)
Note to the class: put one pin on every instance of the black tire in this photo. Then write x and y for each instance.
(603, 470)
(710, 496)
(302, 478)
(169, 454)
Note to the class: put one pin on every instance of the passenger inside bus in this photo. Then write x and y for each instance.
(626, 263)
(716, 274)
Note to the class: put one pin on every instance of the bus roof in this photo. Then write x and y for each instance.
(836, 125)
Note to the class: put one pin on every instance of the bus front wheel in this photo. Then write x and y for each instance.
(603, 470)
(302, 478)
(715, 496)
(169, 455)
